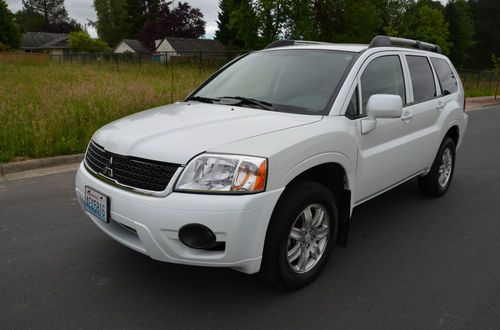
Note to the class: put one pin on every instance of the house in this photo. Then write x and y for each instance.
(188, 46)
(172, 46)
(130, 46)
(44, 42)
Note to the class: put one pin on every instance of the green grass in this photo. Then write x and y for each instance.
(53, 109)
(480, 83)
(480, 91)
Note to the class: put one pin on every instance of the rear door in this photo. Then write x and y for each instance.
(423, 110)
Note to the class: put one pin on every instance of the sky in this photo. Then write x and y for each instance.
(81, 10)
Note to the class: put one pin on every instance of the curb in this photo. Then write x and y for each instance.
(35, 164)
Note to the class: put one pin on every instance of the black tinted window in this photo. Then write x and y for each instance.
(382, 76)
(352, 110)
(446, 77)
(422, 78)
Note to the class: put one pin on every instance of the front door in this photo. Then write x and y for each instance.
(384, 153)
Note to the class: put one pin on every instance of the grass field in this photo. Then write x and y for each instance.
(49, 109)
(480, 83)
(53, 109)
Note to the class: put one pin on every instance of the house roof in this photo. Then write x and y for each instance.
(189, 45)
(136, 45)
(44, 40)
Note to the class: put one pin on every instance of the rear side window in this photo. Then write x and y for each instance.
(447, 79)
(382, 76)
(422, 79)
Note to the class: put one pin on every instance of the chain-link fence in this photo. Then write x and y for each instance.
(166, 59)
(480, 82)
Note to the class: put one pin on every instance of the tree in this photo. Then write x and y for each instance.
(224, 34)
(347, 20)
(45, 16)
(271, 15)
(391, 13)
(358, 22)
(138, 11)
(457, 14)
(238, 24)
(183, 21)
(422, 22)
(485, 18)
(9, 31)
(28, 20)
(52, 11)
(111, 23)
(82, 42)
(300, 20)
(187, 22)
(244, 21)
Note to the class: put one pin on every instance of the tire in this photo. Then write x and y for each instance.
(438, 180)
(291, 213)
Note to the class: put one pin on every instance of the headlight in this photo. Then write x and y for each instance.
(224, 174)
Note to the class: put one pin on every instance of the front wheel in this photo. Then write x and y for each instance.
(438, 180)
(300, 236)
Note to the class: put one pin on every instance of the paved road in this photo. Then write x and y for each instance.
(412, 262)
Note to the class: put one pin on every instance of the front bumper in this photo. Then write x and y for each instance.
(150, 225)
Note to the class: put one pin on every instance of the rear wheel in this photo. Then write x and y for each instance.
(438, 180)
(300, 236)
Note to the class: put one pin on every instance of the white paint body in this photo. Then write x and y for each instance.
(395, 151)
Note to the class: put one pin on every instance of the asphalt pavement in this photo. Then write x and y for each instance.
(411, 263)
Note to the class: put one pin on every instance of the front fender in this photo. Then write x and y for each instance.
(320, 159)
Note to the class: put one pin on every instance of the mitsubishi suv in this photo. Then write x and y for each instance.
(260, 168)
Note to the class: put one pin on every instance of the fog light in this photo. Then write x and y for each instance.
(197, 236)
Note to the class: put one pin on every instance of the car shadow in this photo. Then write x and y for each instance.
(369, 222)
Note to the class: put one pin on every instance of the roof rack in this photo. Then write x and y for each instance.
(385, 41)
(283, 43)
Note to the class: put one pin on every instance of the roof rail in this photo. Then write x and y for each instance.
(283, 43)
(385, 41)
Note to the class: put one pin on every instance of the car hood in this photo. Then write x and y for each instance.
(177, 132)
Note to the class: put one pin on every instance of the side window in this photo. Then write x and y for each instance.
(446, 78)
(422, 79)
(383, 76)
(353, 107)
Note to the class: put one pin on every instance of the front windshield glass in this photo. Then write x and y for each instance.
(293, 80)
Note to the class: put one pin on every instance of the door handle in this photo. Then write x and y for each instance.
(440, 105)
(407, 116)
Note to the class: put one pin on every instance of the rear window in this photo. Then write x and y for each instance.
(422, 79)
(446, 78)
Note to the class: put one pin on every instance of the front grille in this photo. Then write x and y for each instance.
(130, 171)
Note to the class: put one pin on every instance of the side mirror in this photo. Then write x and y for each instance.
(384, 106)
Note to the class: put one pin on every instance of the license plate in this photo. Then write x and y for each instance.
(97, 204)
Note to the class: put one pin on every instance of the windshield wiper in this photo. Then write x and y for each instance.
(202, 99)
(249, 101)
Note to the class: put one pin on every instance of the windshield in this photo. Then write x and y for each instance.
(298, 80)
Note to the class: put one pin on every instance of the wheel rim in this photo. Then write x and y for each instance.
(308, 238)
(445, 168)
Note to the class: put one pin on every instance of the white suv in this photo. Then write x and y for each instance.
(259, 169)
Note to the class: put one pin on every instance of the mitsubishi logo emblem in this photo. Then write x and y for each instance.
(108, 171)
